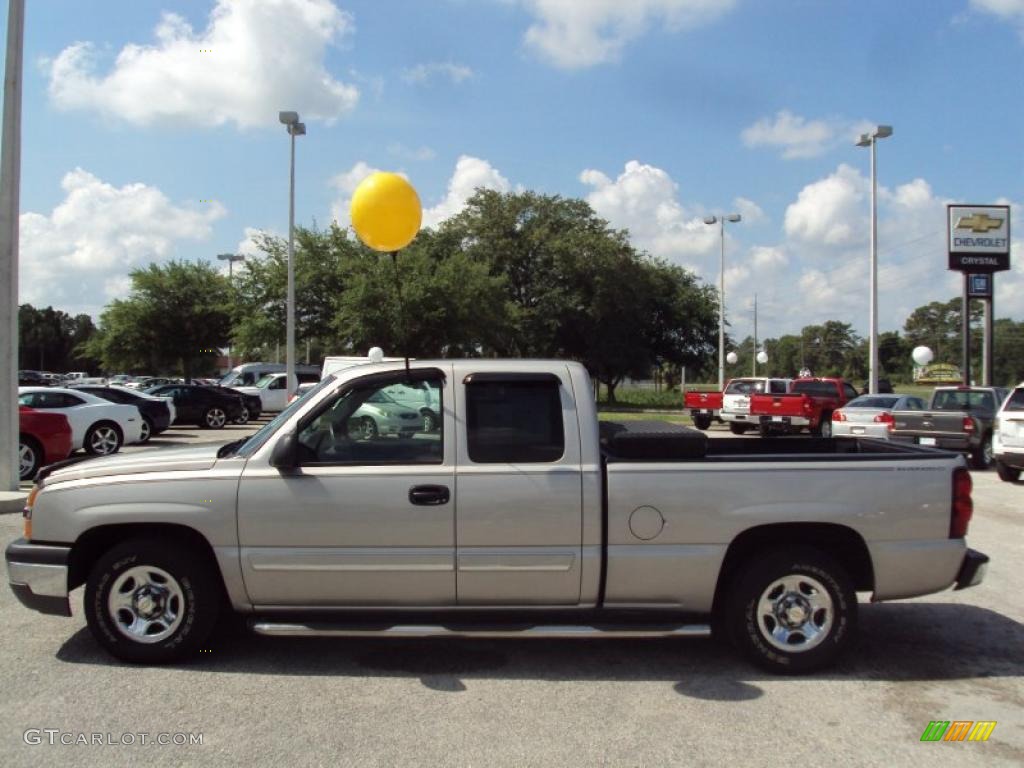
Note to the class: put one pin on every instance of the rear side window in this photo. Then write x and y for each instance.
(819, 388)
(515, 422)
(778, 387)
(744, 387)
(1016, 401)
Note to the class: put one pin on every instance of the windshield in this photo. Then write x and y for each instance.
(257, 439)
(872, 401)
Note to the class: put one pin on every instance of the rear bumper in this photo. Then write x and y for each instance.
(38, 575)
(956, 444)
(972, 569)
(795, 421)
(1013, 459)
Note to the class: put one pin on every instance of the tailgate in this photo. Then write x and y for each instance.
(1011, 429)
(939, 424)
(779, 405)
(703, 400)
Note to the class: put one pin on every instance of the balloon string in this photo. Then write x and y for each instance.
(401, 312)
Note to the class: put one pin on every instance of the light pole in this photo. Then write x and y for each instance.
(720, 220)
(870, 140)
(295, 128)
(230, 258)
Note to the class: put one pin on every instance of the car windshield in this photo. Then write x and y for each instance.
(744, 387)
(249, 446)
(872, 401)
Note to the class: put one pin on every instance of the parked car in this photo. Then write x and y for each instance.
(957, 419)
(809, 403)
(43, 438)
(247, 374)
(380, 414)
(1008, 436)
(736, 400)
(252, 405)
(271, 391)
(33, 379)
(148, 382)
(521, 516)
(871, 415)
(204, 406)
(97, 425)
(156, 412)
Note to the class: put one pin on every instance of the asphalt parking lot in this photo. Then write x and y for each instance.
(951, 656)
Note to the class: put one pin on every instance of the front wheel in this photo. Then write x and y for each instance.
(243, 416)
(792, 611)
(982, 457)
(1006, 473)
(214, 418)
(103, 439)
(149, 603)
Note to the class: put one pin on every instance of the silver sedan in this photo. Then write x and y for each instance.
(871, 415)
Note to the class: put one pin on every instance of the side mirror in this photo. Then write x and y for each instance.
(285, 453)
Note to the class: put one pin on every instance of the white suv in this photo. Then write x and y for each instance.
(1008, 436)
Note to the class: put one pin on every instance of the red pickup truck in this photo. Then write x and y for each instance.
(809, 403)
(43, 438)
(703, 407)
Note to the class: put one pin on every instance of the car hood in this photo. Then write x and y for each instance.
(154, 460)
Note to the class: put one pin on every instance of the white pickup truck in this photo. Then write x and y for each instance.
(514, 516)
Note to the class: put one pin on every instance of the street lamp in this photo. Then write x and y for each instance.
(231, 258)
(295, 128)
(720, 220)
(870, 140)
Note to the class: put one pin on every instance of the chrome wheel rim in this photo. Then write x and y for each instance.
(145, 433)
(428, 422)
(146, 604)
(795, 613)
(243, 417)
(987, 453)
(826, 429)
(26, 460)
(215, 417)
(104, 440)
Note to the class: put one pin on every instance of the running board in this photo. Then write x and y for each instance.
(274, 629)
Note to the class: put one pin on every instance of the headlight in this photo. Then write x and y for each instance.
(26, 513)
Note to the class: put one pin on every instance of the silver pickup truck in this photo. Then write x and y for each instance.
(513, 514)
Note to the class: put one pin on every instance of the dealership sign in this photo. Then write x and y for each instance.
(979, 237)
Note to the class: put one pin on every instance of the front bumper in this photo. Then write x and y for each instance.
(972, 570)
(38, 575)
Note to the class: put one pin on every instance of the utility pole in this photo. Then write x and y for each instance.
(753, 356)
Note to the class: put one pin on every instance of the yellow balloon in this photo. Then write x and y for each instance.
(386, 212)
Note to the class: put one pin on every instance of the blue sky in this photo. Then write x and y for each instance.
(150, 131)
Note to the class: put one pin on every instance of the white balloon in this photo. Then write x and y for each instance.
(731, 358)
(762, 357)
(922, 355)
(376, 355)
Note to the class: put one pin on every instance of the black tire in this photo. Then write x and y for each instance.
(214, 417)
(103, 438)
(982, 457)
(738, 429)
(243, 416)
(1007, 474)
(787, 585)
(701, 421)
(147, 430)
(763, 429)
(30, 457)
(195, 604)
(825, 425)
(429, 420)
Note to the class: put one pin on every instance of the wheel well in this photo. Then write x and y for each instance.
(102, 422)
(842, 543)
(24, 437)
(93, 543)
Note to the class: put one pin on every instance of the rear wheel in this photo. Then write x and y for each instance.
(429, 421)
(243, 416)
(763, 430)
(146, 431)
(792, 611)
(825, 425)
(701, 421)
(148, 602)
(1006, 473)
(214, 418)
(103, 439)
(30, 457)
(982, 456)
(738, 429)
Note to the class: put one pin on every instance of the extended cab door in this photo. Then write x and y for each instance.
(518, 483)
(366, 518)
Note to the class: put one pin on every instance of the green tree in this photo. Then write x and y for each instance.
(175, 317)
(48, 339)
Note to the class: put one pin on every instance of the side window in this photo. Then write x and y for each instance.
(69, 401)
(516, 422)
(778, 387)
(363, 426)
(30, 399)
(276, 384)
(849, 391)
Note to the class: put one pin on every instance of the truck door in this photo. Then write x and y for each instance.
(518, 484)
(367, 518)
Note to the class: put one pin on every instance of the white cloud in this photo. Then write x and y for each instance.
(418, 154)
(643, 199)
(1006, 9)
(470, 174)
(422, 74)
(830, 211)
(574, 34)
(254, 58)
(797, 137)
(749, 210)
(766, 257)
(346, 183)
(78, 256)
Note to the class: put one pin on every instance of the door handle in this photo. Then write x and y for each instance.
(429, 495)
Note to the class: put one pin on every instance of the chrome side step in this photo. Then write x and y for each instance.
(275, 629)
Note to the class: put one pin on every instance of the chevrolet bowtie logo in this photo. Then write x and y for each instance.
(979, 222)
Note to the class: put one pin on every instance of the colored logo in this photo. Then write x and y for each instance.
(979, 222)
(958, 730)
